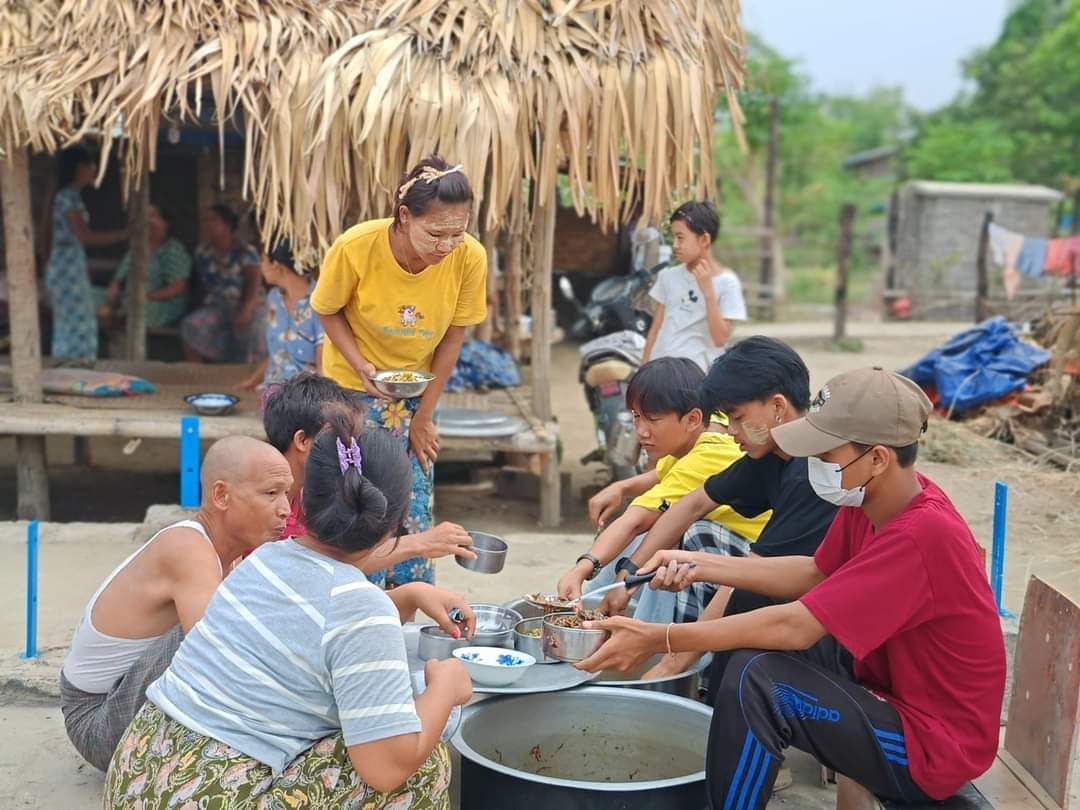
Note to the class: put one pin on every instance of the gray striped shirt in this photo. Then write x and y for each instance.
(293, 647)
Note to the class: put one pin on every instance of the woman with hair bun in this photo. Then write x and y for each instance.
(294, 689)
(398, 293)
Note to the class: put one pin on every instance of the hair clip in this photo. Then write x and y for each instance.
(428, 174)
(349, 456)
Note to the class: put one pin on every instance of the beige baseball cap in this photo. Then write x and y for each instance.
(867, 406)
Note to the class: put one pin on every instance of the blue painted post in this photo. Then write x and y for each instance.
(31, 590)
(189, 462)
(997, 553)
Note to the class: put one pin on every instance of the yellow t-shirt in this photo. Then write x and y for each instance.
(712, 453)
(396, 317)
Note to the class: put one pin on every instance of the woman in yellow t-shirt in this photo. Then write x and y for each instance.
(398, 294)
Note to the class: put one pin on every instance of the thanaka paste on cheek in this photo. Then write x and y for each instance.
(756, 434)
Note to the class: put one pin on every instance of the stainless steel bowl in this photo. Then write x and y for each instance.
(211, 403)
(533, 645)
(490, 554)
(570, 643)
(592, 747)
(433, 643)
(384, 382)
(494, 626)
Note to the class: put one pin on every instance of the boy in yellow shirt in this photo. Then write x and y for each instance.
(664, 397)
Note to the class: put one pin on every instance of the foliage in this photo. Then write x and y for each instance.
(1022, 121)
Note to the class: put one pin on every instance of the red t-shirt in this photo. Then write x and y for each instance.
(913, 605)
(294, 524)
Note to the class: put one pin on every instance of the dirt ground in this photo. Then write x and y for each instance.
(38, 768)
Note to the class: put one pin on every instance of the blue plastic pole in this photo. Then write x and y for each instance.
(31, 590)
(997, 553)
(189, 462)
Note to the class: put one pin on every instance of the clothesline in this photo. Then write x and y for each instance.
(1019, 255)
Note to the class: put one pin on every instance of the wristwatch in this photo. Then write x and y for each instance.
(596, 566)
(627, 565)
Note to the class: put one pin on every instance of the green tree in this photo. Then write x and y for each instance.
(1022, 120)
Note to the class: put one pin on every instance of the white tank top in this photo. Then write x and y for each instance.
(96, 661)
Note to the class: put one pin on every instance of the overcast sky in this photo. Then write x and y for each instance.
(850, 46)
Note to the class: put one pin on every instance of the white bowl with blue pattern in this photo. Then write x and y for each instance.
(494, 666)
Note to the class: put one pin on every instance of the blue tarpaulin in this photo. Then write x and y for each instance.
(978, 365)
(483, 365)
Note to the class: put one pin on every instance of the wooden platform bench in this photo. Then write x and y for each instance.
(157, 416)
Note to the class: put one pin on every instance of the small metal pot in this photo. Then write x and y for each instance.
(570, 643)
(494, 626)
(533, 645)
(433, 643)
(490, 554)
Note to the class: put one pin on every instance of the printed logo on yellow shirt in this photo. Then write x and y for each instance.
(410, 316)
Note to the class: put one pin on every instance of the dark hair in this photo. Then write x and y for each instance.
(754, 370)
(301, 403)
(666, 385)
(700, 217)
(280, 252)
(419, 193)
(68, 165)
(226, 215)
(356, 508)
(905, 456)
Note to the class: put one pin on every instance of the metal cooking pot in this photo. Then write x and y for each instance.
(593, 748)
(685, 684)
(490, 554)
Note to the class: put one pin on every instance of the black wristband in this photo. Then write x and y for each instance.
(595, 565)
(627, 565)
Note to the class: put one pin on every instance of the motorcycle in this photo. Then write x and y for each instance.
(616, 304)
(607, 364)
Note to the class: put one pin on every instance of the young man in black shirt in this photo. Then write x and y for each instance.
(759, 383)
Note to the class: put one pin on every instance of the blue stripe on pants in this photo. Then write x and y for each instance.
(748, 746)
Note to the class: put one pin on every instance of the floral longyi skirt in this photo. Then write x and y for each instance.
(163, 765)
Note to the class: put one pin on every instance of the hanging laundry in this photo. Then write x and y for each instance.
(1032, 257)
(1058, 257)
(1005, 247)
(1074, 247)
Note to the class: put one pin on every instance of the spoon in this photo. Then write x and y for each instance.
(629, 582)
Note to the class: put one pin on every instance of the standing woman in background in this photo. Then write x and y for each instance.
(74, 312)
(398, 294)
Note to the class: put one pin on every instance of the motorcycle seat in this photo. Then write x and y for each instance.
(608, 371)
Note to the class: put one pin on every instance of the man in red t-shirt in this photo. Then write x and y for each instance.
(898, 582)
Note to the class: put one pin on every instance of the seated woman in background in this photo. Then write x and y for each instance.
(294, 688)
(294, 334)
(166, 277)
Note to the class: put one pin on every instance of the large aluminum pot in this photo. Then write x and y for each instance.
(685, 684)
(593, 748)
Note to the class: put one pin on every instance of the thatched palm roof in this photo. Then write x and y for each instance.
(337, 97)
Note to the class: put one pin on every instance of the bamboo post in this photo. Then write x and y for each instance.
(512, 284)
(486, 329)
(982, 274)
(768, 280)
(543, 240)
(31, 473)
(140, 262)
(843, 267)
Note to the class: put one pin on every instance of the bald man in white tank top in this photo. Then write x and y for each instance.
(135, 621)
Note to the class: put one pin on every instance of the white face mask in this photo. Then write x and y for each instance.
(827, 481)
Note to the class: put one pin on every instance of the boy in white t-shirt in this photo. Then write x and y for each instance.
(698, 300)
